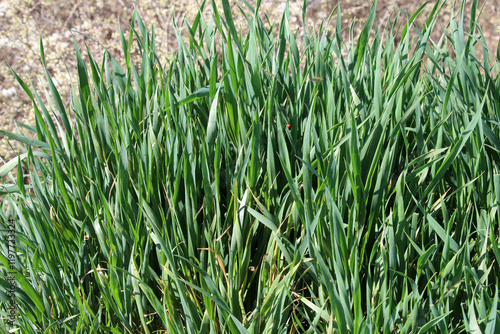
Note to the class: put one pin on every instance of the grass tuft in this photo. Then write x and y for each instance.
(251, 185)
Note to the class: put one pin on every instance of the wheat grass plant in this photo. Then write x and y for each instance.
(260, 184)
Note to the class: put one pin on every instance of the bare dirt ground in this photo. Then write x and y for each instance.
(23, 22)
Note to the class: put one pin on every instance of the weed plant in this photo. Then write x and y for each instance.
(248, 186)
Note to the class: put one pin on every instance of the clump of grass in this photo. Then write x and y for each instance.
(252, 187)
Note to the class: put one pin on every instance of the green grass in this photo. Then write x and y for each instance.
(175, 198)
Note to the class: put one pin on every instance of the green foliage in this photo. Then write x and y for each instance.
(252, 187)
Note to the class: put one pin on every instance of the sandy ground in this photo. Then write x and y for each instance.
(23, 22)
